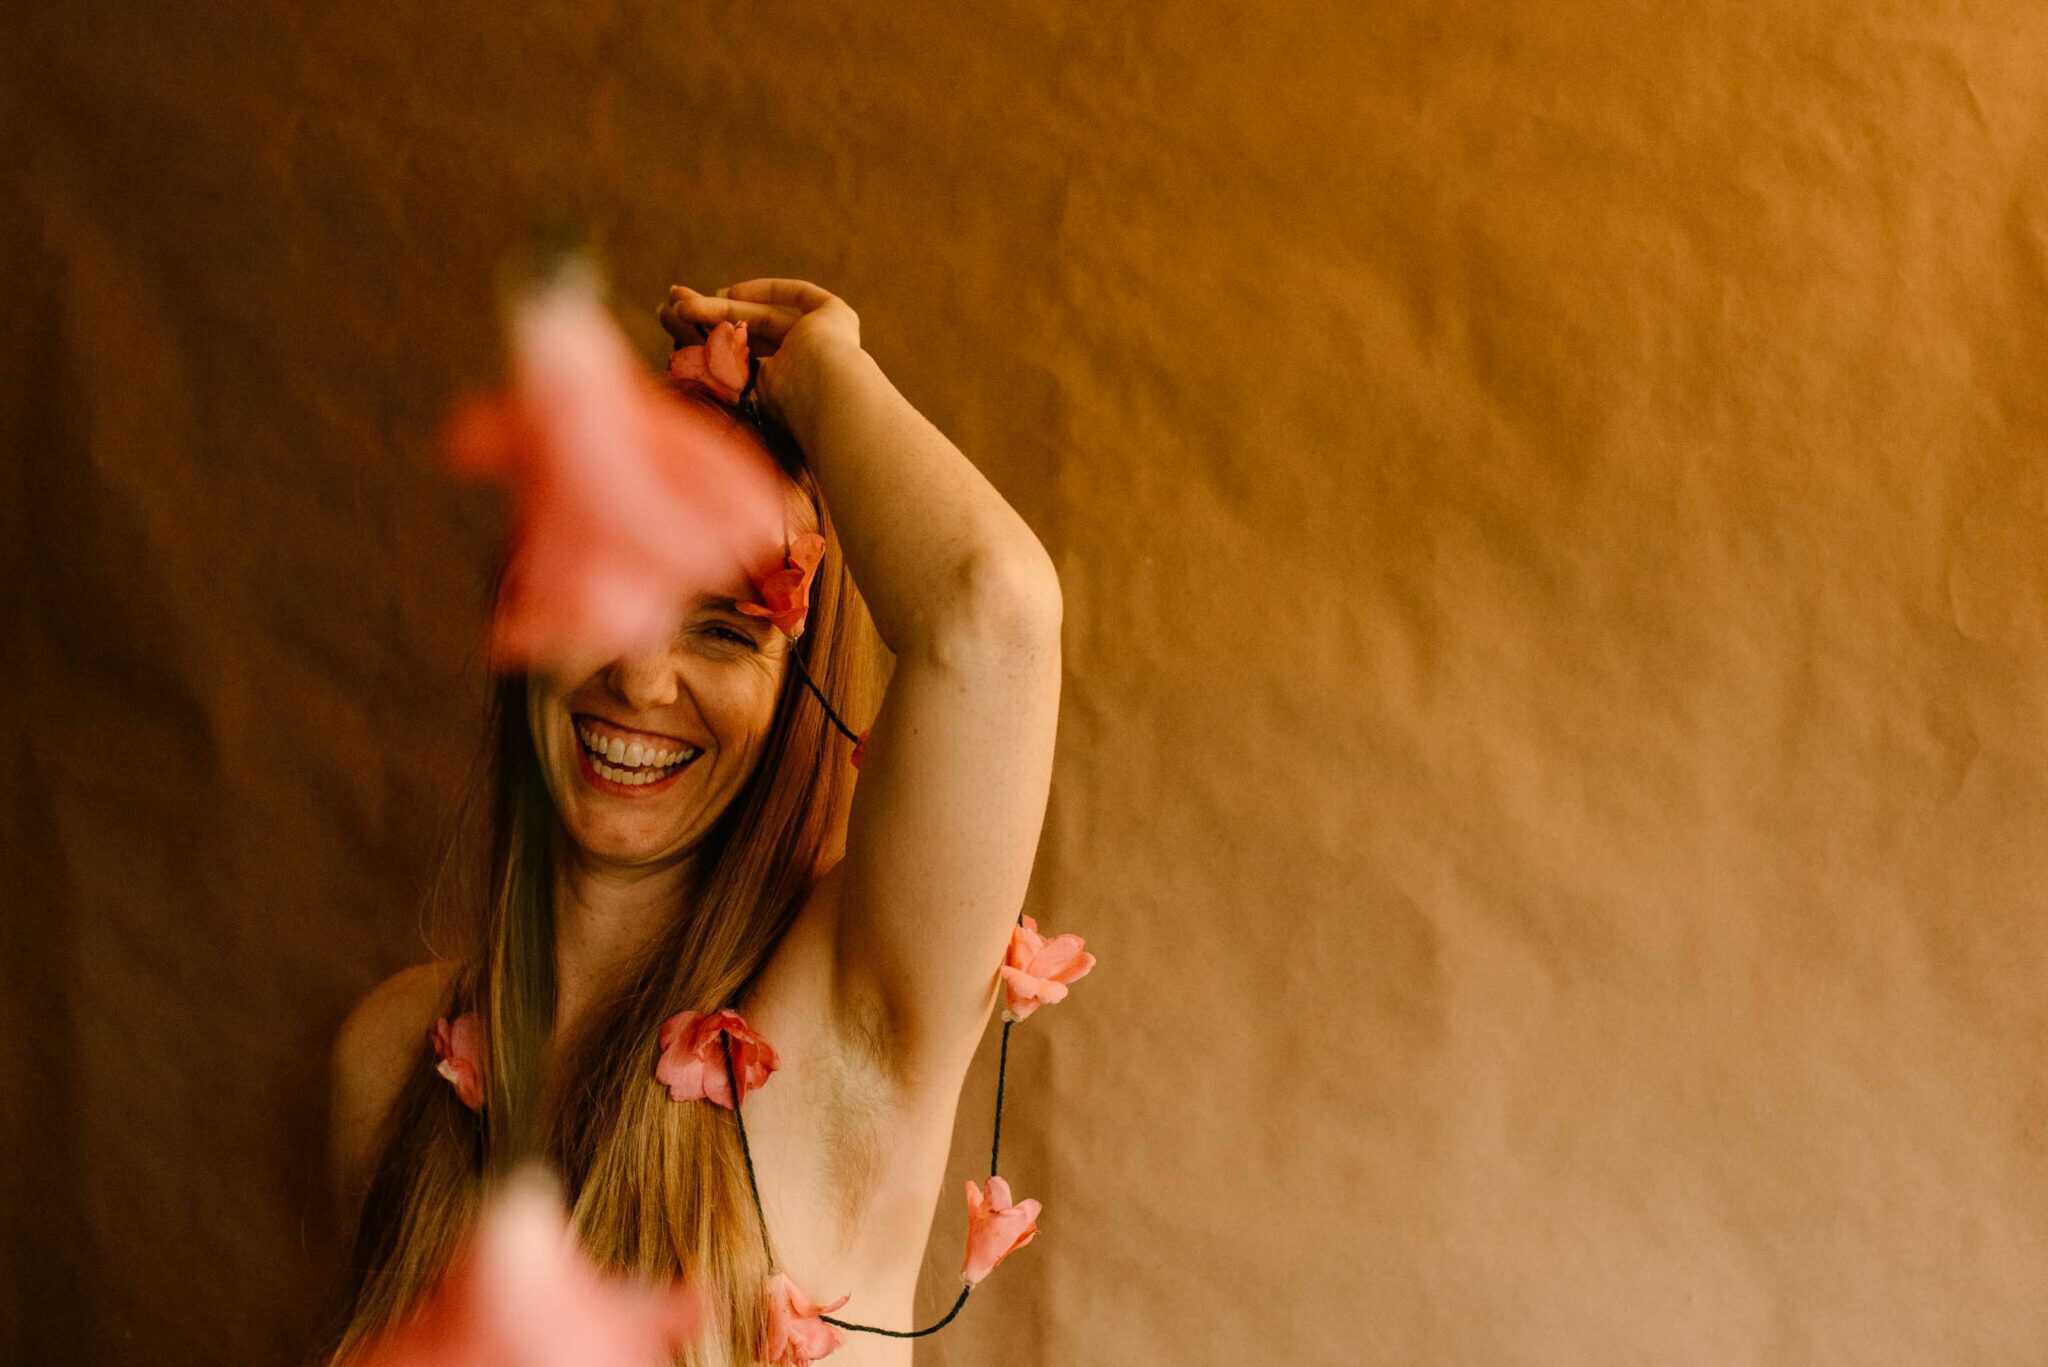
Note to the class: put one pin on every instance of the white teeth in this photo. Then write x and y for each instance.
(631, 780)
(638, 761)
(642, 763)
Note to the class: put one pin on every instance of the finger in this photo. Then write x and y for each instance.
(766, 324)
(800, 295)
(682, 331)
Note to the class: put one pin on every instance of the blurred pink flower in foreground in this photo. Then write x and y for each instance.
(523, 1294)
(995, 1227)
(1037, 970)
(459, 1044)
(692, 1063)
(627, 498)
(795, 1333)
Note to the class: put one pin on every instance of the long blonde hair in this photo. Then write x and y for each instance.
(657, 1189)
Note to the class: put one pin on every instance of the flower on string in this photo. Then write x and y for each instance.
(1037, 970)
(625, 500)
(522, 1293)
(995, 1227)
(459, 1044)
(785, 592)
(718, 364)
(692, 1063)
(795, 1334)
(860, 749)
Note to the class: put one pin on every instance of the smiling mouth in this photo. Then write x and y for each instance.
(632, 764)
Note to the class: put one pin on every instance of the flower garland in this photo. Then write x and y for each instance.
(1035, 972)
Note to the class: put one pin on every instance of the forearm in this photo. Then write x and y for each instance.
(926, 536)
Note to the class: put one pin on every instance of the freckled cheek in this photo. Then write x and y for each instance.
(739, 706)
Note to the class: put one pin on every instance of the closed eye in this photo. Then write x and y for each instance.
(737, 637)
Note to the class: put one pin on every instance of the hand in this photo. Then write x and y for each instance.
(798, 329)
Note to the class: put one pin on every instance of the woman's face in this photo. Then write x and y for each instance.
(643, 753)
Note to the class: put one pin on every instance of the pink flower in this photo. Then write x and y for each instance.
(718, 364)
(459, 1044)
(522, 1293)
(1037, 971)
(795, 1333)
(692, 1063)
(995, 1228)
(627, 499)
(785, 592)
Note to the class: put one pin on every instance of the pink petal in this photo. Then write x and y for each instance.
(1062, 958)
(1025, 942)
(995, 1228)
(794, 1333)
(459, 1045)
(687, 1079)
(1020, 997)
(627, 499)
(692, 1062)
(523, 1294)
(1025, 993)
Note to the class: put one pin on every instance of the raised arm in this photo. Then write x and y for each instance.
(946, 819)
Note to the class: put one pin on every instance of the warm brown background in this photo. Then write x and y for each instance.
(1551, 504)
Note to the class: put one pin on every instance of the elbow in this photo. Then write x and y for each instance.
(1005, 601)
(1024, 587)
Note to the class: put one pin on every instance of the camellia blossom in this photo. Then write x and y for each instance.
(785, 592)
(995, 1227)
(459, 1044)
(795, 1333)
(692, 1063)
(627, 500)
(1037, 970)
(522, 1293)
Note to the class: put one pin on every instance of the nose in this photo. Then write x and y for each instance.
(643, 680)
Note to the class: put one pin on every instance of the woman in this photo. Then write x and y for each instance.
(729, 863)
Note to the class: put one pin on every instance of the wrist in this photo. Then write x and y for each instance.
(831, 375)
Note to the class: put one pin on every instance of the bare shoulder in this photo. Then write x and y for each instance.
(376, 1047)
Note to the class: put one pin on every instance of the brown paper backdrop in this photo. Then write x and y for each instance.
(1550, 501)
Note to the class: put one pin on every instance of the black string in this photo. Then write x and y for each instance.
(796, 655)
(749, 401)
(732, 1082)
(994, 1148)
